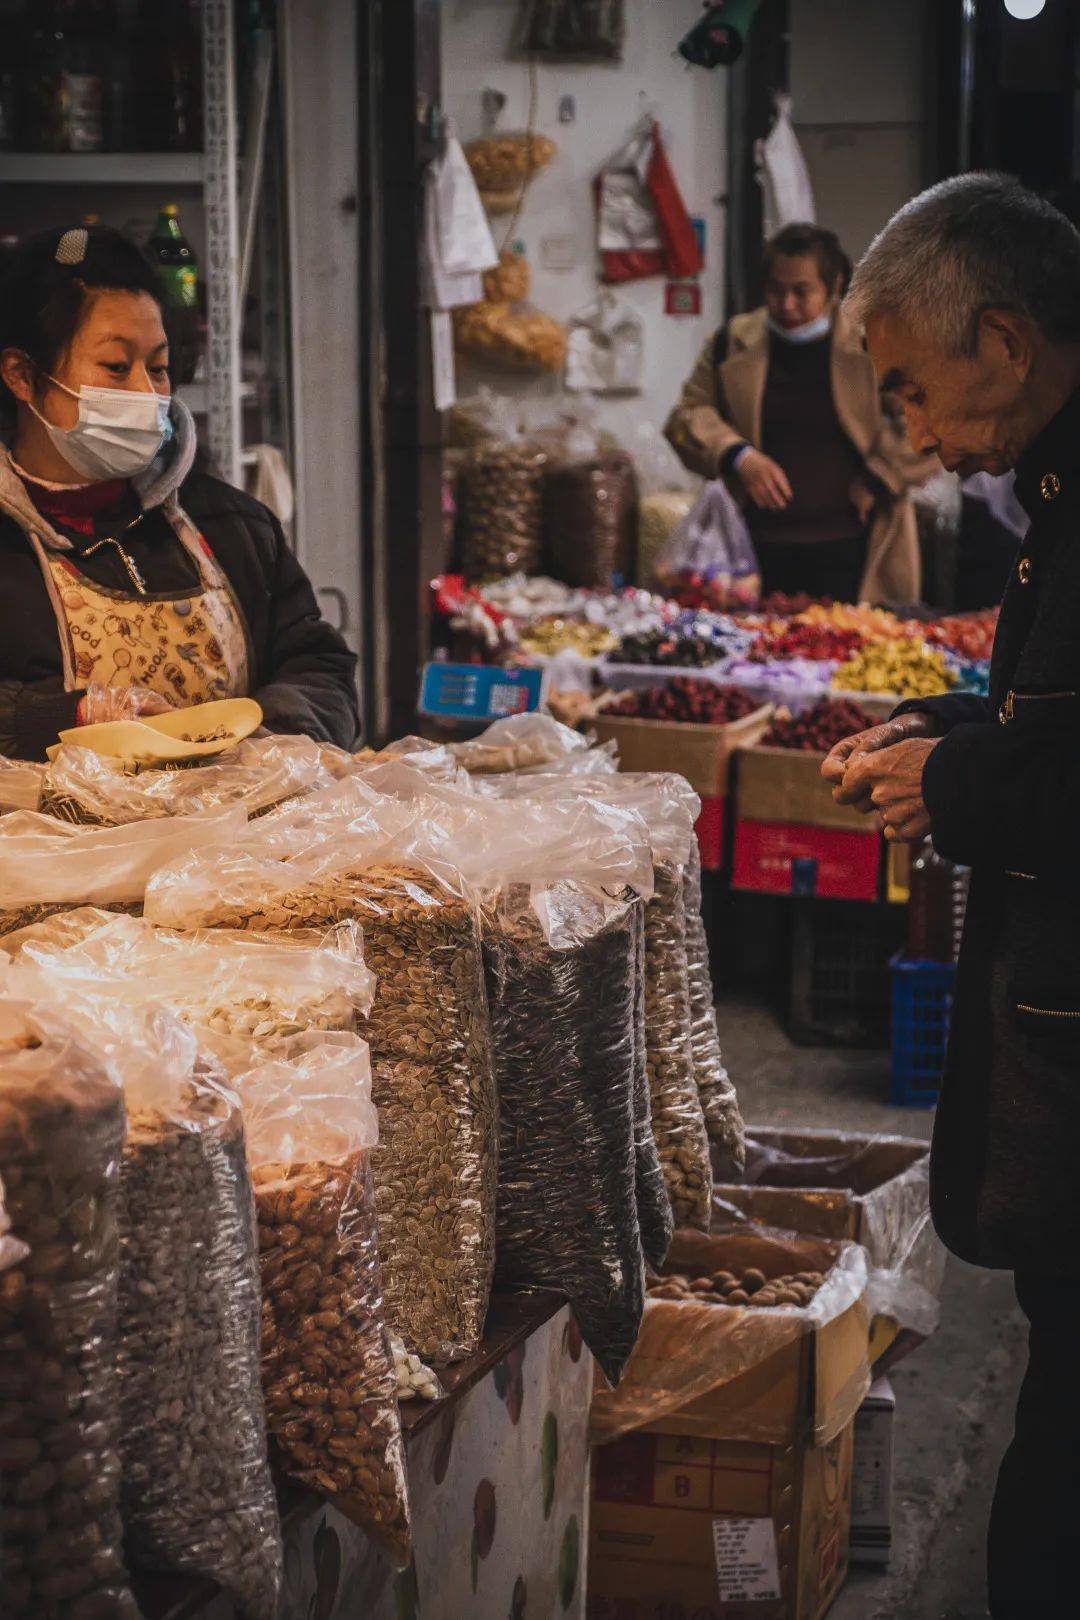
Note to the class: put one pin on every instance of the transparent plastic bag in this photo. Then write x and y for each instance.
(500, 514)
(719, 1103)
(21, 785)
(88, 788)
(48, 865)
(687, 1349)
(435, 1167)
(61, 1130)
(713, 545)
(835, 1183)
(197, 1494)
(328, 1371)
(520, 742)
(562, 1013)
(590, 521)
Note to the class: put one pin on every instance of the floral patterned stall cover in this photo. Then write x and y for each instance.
(499, 1486)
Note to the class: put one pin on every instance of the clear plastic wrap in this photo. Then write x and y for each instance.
(328, 1371)
(21, 784)
(48, 865)
(875, 1189)
(61, 1130)
(519, 742)
(719, 1104)
(88, 788)
(500, 519)
(686, 1349)
(435, 1168)
(562, 1014)
(656, 1218)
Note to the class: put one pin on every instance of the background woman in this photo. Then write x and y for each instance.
(128, 582)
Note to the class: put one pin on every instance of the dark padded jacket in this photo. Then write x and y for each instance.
(304, 674)
(1003, 793)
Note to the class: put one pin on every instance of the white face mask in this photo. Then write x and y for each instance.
(118, 434)
(809, 332)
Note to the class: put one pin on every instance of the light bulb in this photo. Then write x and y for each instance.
(1024, 9)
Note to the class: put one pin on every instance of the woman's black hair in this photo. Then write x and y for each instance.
(812, 241)
(42, 302)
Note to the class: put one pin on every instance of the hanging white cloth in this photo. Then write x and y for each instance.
(457, 241)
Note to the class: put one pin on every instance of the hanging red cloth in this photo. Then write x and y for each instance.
(644, 228)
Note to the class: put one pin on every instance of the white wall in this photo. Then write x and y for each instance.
(691, 106)
(858, 82)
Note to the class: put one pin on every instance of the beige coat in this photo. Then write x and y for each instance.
(720, 407)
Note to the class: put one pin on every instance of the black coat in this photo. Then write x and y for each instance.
(1003, 793)
(304, 674)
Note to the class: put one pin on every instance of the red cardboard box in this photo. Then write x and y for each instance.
(710, 832)
(848, 863)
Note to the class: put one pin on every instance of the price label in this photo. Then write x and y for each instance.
(747, 1569)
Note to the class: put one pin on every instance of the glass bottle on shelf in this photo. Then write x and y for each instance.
(43, 121)
(937, 903)
(14, 25)
(177, 264)
(166, 76)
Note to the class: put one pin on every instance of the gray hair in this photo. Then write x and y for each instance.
(972, 243)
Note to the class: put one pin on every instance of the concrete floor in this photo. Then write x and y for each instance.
(955, 1395)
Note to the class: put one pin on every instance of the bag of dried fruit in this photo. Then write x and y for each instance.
(48, 865)
(351, 854)
(61, 1130)
(328, 1371)
(88, 788)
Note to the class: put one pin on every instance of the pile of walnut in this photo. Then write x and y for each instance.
(752, 1287)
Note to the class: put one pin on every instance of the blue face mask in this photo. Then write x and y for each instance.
(808, 333)
(120, 431)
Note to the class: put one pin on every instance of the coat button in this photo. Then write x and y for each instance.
(1023, 570)
(1050, 486)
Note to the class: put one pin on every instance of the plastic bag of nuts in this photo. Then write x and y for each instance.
(197, 1493)
(500, 518)
(590, 521)
(61, 1129)
(561, 984)
(435, 1167)
(328, 1371)
(719, 1104)
(655, 1215)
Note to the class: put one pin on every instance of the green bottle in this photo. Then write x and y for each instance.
(176, 262)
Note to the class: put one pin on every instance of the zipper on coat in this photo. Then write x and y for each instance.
(1007, 711)
(1046, 1012)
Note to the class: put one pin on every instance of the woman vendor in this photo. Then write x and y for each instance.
(130, 584)
(783, 404)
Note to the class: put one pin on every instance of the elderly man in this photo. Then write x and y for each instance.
(970, 299)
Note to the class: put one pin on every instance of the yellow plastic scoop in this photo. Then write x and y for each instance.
(195, 733)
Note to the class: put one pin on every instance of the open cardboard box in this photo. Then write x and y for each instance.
(732, 1498)
(700, 753)
(785, 811)
(870, 1190)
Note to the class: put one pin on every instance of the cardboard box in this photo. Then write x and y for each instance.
(718, 1529)
(847, 864)
(872, 1478)
(786, 784)
(700, 753)
(710, 827)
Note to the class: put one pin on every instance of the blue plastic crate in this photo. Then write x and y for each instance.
(922, 996)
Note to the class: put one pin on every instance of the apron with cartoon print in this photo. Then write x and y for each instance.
(191, 647)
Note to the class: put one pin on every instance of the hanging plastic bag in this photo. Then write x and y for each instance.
(572, 30)
(643, 225)
(605, 350)
(457, 239)
(783, 174)
(719, 1103)
(712, 546)
(61, 1130)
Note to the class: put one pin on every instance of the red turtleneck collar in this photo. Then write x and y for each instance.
(76, 508)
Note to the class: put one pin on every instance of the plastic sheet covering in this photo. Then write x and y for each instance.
(435, 1168)
(328, 1370)
(518, 743)
(687, 1350)
(61, 1130)
(719, 1103)
(263, 988)
(874, 1189)
(21, 784)
(88, 788)
(197, 1494)
(656, 1218)
(48, 865)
